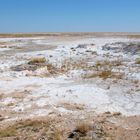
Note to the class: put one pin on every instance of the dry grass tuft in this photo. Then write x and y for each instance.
(108, 64)
(137, 62)
(8, 132)
(52, 69)
(33, 129)
(37, 60)
(32, 124)
(135, 81)
(24, 126)
(10, 104)
(83, 128)
(1, 96)
(104, 70)
(105, 74)
(58, 134)
(116, 114)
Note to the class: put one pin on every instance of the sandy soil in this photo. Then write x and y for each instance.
(70, 86)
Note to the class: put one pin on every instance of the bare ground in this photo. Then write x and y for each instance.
(78, 92)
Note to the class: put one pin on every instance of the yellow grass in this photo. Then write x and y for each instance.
(37, 60)
(83, 128)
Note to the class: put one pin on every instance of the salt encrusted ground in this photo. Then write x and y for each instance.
(75, 86)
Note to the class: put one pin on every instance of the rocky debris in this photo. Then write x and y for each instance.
(73, 49)
(56, 128)
(86, 131)
(1, 118)
(81, 46)
(92, 52)
(32, 65)
(107, 130)
(23, 67)
(132, 48)
(91, 135)
(29, 67)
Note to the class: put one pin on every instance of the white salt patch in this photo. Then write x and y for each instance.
(8, 100)
(4, 49)
(21, 107)
(41, 112)
(41, 102)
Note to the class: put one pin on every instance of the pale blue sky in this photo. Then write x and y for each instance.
(69, 15)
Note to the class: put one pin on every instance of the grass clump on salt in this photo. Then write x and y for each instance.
(37, 60)
(30, 129)
(105, 74)
(8, 132)
(137, 62)
(1, 96)
(83, 128)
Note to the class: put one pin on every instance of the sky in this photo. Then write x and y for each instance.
(69, 16)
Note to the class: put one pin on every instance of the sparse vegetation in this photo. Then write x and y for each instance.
(75, 89)
(52, 69)
(137, 62)
(37, 60)
(101, 69)
(107, 64)
(104, 70)
(1, 96)
(83, 128)
(8, 132)
(10, 104)
(105, 74)
(135, 81)
(31, 129)
(24, 126)
(57, 134)
(33, 124)
(116, 114)
(27, 35)
(134, 36)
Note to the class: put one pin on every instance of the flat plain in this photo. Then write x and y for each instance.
(70, 86)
